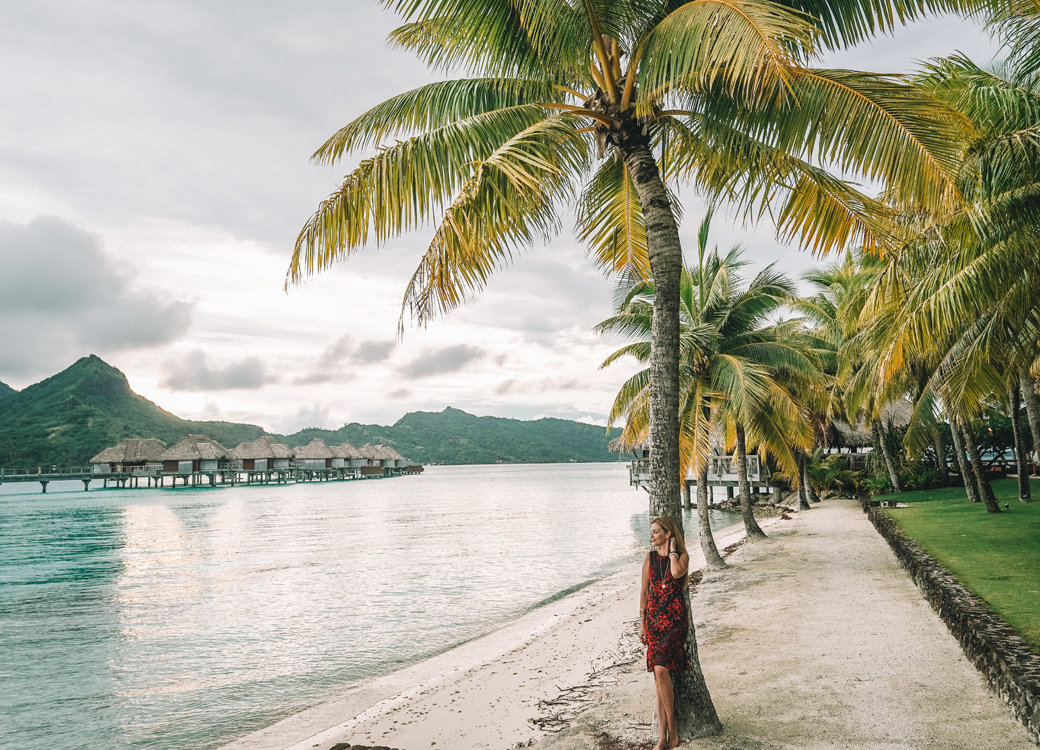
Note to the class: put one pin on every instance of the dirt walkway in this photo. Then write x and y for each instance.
(816, 638)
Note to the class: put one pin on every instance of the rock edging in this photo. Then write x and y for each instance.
(1010, 667)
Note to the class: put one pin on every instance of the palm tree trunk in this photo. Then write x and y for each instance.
(810, 491)
(694, 710)
(890, 464)
(967, 473)
(712, 559)
(751, 528)
(803, 495)
(940, 458)
(985, 490)
(1027, 387)
(1015, 407)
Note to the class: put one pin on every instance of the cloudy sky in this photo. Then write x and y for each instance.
(154, 173)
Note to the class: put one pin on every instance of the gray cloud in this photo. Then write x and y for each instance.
(195, 373)
(336, 353)
(451, 359)
(537, 385)
(399, 393)
(337, 364)
(61, 297)
(370, 352)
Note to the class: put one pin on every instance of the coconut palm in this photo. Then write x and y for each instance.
(728, 361)
(714, 94)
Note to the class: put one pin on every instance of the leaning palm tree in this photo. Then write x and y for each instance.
(604, 100)
(728, 360)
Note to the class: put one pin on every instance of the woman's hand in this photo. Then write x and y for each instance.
(642, 634)
(671, 545)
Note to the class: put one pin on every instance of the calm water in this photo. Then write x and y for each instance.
(186, 618)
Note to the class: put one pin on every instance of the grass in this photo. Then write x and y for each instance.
(996, 556)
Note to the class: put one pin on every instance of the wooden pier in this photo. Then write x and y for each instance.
(83, 474)
(223, 477)
(721, 473)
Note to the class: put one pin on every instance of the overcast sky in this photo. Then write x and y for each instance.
(154, 173)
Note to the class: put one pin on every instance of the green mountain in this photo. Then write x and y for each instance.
(6, 390)
(67, 418)
(456, 437)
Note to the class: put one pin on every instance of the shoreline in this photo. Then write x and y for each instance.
(490, 691)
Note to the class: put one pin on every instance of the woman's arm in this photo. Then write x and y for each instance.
(678, 563)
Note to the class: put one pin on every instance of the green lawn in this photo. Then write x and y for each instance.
(996, 556)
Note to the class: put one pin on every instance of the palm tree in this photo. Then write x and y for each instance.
(715, 94)
(729, 358)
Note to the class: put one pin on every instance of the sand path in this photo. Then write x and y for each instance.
(817, 638)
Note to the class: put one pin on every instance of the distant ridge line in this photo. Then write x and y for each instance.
(75, 414)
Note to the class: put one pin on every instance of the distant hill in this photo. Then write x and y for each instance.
(67, 418)
(6, 390)
(453, 436)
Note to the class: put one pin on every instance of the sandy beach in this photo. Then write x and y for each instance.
(814, 638)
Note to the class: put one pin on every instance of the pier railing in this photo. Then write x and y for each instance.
(35, 473)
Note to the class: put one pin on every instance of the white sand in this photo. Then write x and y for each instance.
(815, 638)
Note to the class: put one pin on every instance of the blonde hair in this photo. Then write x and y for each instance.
(669, 524)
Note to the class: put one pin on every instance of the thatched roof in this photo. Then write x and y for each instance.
(369, 451)
(315, 449)
(131, 451)
(389, 452)
(378, 452)
(345, 451)
(195, 447)
(263, 447)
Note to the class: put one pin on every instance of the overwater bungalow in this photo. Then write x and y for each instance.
(399, 461)
(263, 454)
(132, 456)
(371, 456)
(355, 460)
(314, 456)
(345, 456)
(374, 461)
(195, 454)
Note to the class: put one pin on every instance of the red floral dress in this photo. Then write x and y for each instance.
(666, 619)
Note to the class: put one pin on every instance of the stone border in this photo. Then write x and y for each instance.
(1010, 667)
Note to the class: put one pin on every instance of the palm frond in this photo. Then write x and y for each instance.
(402, 186)
(748, 49)
(513, 192)
(431, 107)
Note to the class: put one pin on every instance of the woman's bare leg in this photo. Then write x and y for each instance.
(666, 708)
(662, 729)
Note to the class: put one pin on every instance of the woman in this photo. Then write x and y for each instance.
(664, 621)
